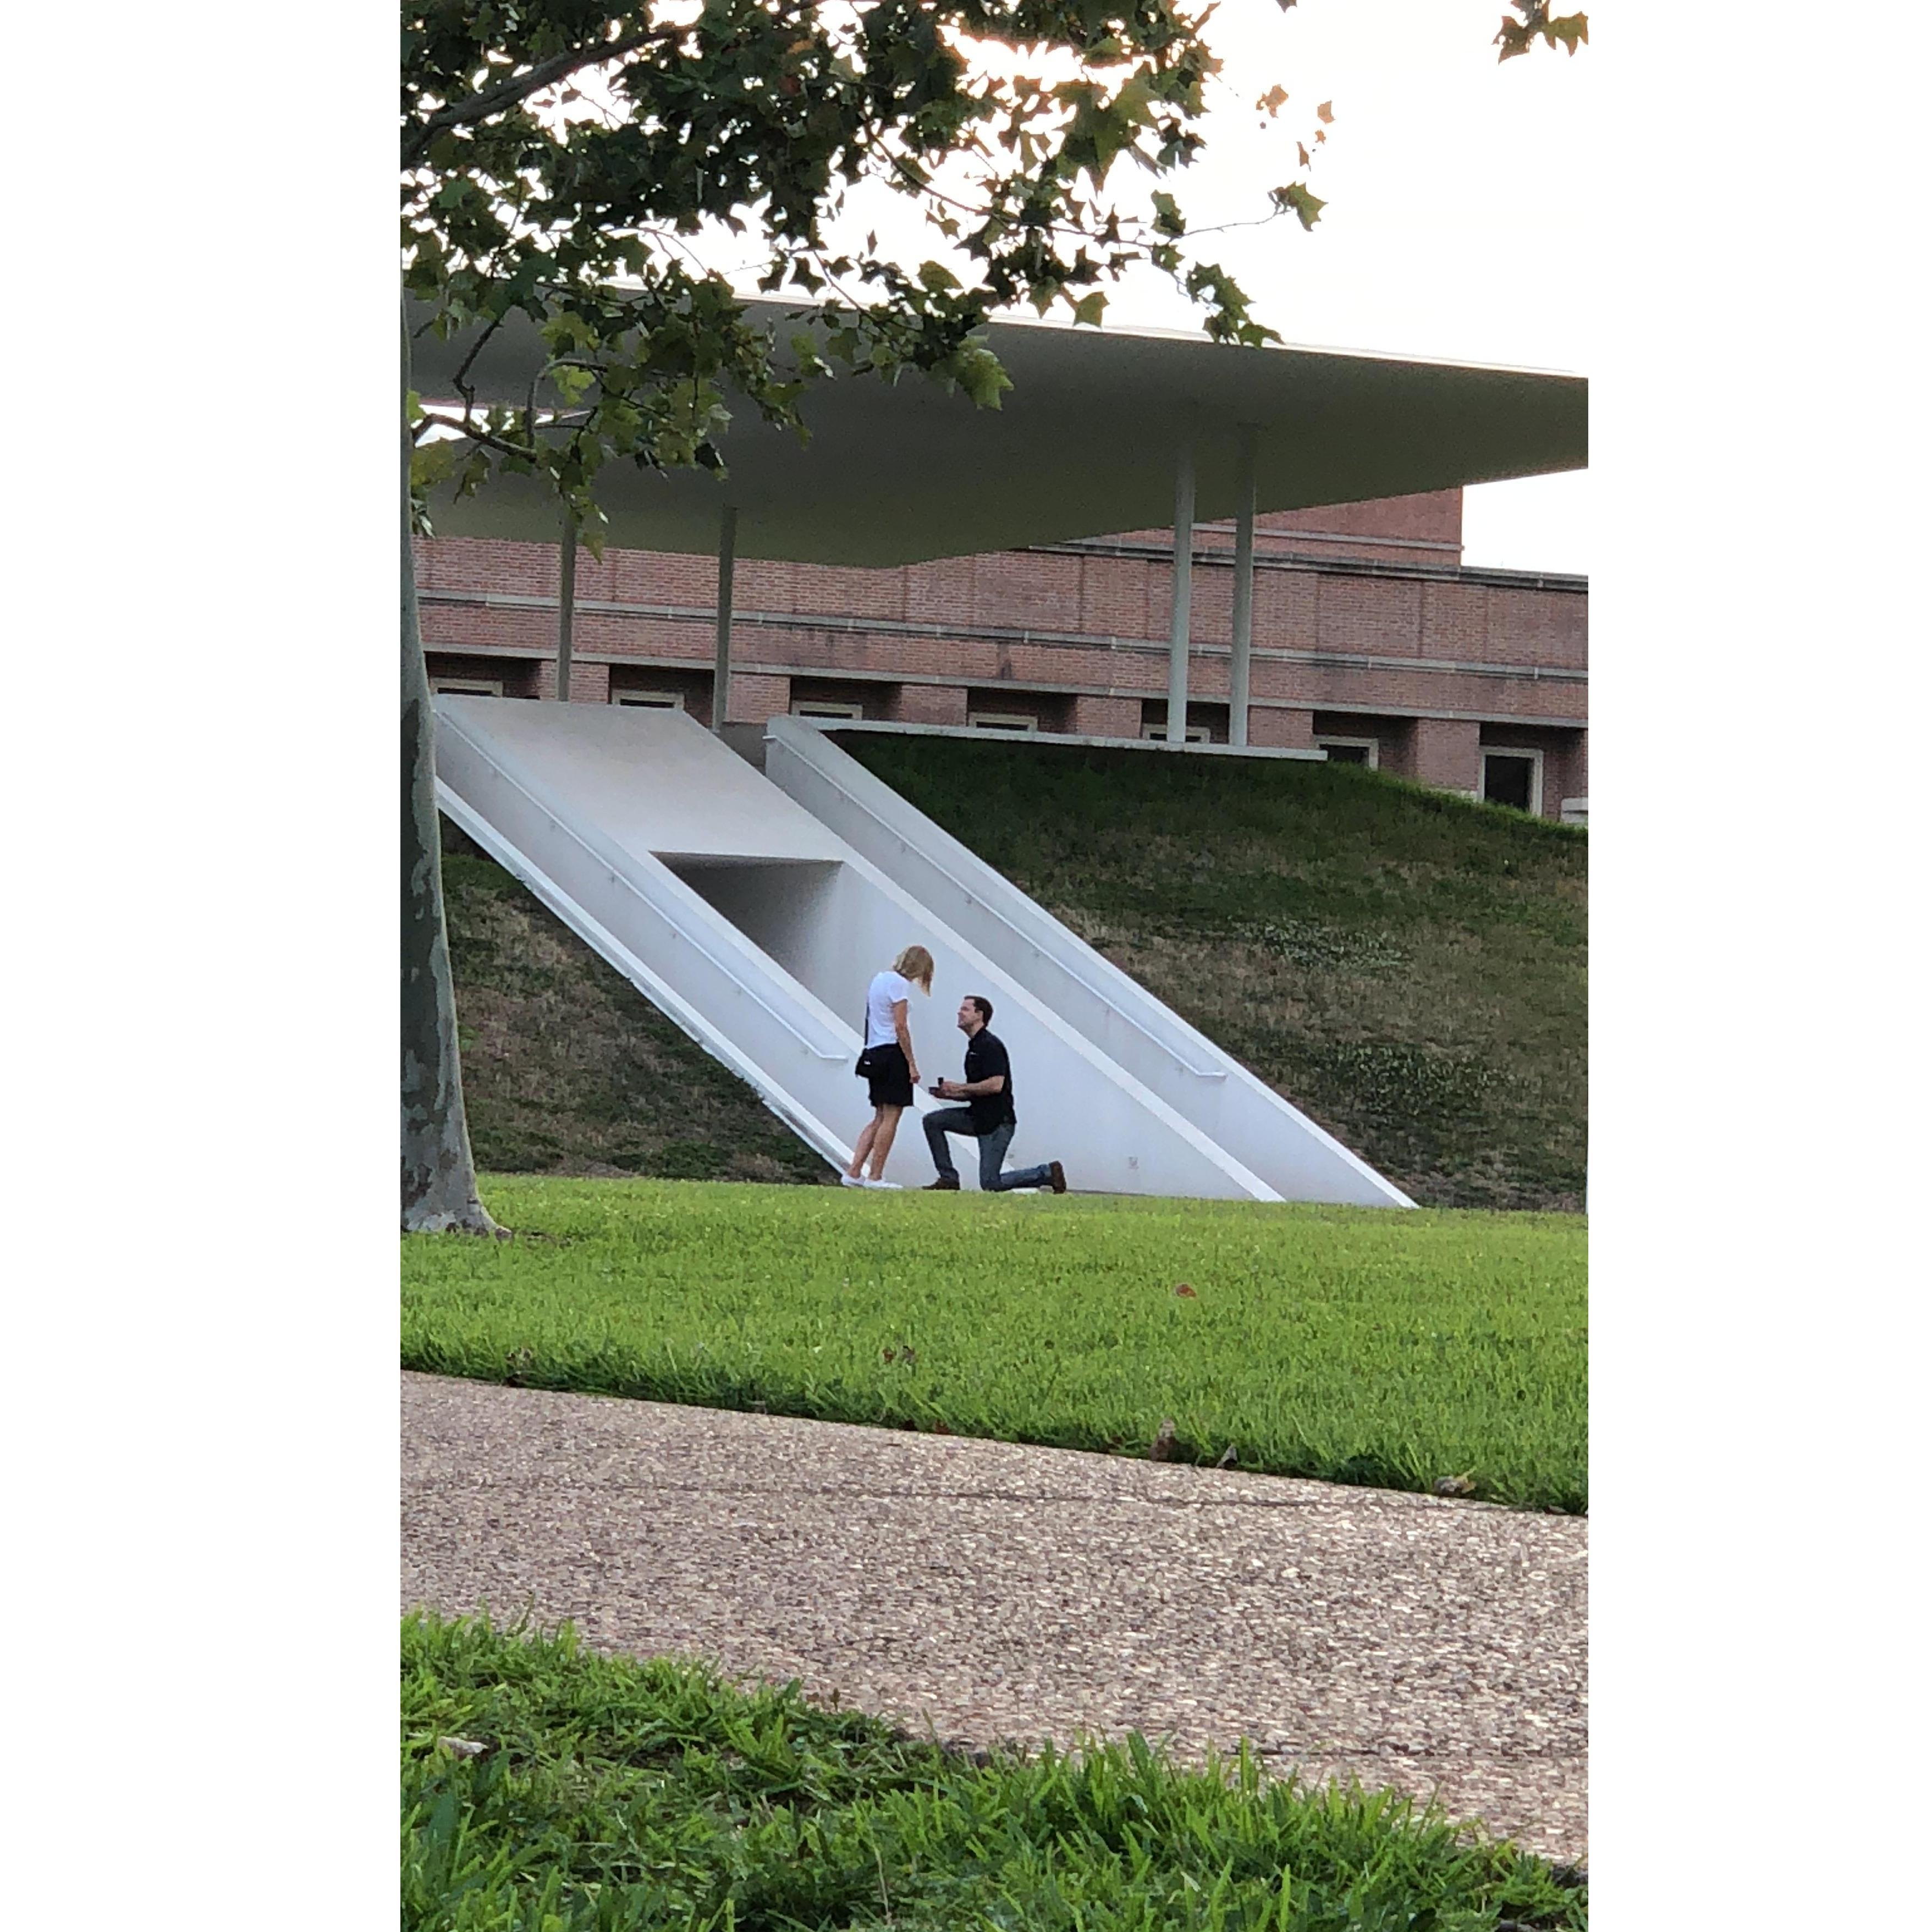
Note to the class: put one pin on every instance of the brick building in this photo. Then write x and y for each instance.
(1371, 639)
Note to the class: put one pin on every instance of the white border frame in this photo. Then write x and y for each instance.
(1372, 746)
(1486, 752)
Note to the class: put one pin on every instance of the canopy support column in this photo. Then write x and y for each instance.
(1184, 598)
(566, 604)
(1244, 592)
(721, 674)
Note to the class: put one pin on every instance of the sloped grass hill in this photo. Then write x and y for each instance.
(1406, 967)
(568, 1069)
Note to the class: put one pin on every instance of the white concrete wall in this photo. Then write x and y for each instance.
(1204, 1085)
(766, 964)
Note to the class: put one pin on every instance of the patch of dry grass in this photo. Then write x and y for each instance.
(568, 1069)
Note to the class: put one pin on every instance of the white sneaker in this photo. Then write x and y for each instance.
(888, 1187)
(850, 1180)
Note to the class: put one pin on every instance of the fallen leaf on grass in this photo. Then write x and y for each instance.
(1454, 1486)
(1161, 1450)
(1182, 1287)
(1227, 1461)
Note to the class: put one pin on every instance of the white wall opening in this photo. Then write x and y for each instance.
(467, 687)
(1197, 734)
(1513, 778)
(1350, 750)
(825, 707)
(1001, 721)
(651, 701)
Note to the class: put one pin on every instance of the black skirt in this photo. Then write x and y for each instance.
(888, 1082)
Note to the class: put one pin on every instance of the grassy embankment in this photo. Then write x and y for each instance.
(1407, 967)
(609, 1793)
(1351, 1345)
(567, 1068)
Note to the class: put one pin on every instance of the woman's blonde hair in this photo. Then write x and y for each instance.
(915, 963)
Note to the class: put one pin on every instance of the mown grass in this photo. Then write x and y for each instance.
(612, 1794)
(1393, 1349)
(1407, 967)
(567, 1068)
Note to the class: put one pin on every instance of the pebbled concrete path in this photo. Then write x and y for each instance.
(996, 1591)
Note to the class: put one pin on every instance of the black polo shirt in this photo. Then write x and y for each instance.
(985, 1056)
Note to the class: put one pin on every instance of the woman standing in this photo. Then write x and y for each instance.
(891, 1070)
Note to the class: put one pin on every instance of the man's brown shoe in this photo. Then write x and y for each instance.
(1056, 1177)
(946, 1184)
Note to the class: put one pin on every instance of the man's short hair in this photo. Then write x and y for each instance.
(984, 1005)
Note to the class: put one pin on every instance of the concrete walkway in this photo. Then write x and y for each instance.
(995, 1591)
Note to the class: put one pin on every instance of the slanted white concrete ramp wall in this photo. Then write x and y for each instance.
(757, 928)
(1204, 1085)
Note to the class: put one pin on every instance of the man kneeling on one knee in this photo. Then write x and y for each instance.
(988, 1116)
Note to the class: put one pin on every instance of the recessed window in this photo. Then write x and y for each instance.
(1197, 734)
(467, 687)
(819, 707)
(1350, 751)
(1514, 779)
(1001, 721)
(651, 701)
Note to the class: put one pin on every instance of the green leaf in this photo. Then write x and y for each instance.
(1090, 308)
(979, 374)
(1307, 207)
(935, 276)
(431, 464)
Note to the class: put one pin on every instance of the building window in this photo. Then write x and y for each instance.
(467, 687)
(825, 707)
(1514, 779)
(1001, 721)
(1197, 734)
(653, 701)
(1350, 751)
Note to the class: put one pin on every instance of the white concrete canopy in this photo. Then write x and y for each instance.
(1085, 444)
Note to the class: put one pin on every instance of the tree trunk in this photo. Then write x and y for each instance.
(439, 1174)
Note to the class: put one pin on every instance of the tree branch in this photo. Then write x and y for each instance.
(521, 86)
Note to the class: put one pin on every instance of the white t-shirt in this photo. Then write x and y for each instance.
(886, 987)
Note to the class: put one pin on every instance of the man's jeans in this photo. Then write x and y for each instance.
(944, 1120)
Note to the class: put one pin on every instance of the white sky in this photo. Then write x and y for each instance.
(1456, 226)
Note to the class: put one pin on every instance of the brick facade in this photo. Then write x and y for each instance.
(1364, 617)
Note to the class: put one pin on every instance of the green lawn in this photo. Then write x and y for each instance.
(1407, 967)
(612, 1794)
(1384, 1348)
